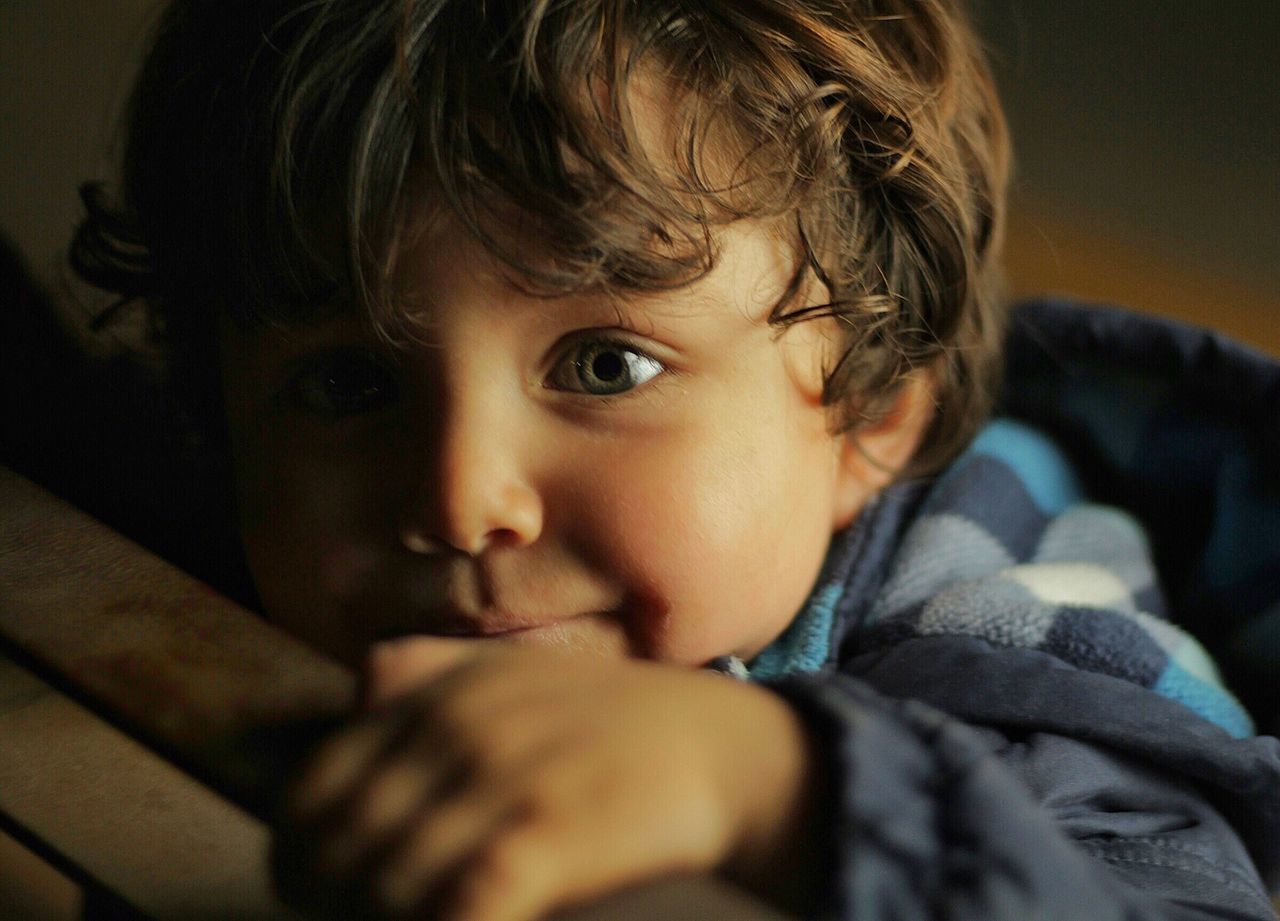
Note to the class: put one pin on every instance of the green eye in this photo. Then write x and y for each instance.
(603, 367)
(345, 383)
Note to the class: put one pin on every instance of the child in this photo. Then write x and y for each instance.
(562, 350)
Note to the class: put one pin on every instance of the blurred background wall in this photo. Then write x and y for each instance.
(65, 68)
(1147, 133)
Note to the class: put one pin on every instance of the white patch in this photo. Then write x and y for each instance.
(1084, 584)
(1192, 657)
(1100, 534)
(1167, 636)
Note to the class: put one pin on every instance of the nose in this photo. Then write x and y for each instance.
(474, 491)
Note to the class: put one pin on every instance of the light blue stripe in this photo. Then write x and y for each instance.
(805, 644)
(1036, 461)
(1207, 700)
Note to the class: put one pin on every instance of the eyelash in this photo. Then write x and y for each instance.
(344, 383)
(583, 357)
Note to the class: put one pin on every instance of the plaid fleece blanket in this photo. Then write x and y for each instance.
(1019, 592)
(1173, 435)
(1005, 547)
(1181, 427)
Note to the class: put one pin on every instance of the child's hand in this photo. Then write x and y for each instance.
(499, 783)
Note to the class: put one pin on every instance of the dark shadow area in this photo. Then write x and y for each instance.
(98, 429)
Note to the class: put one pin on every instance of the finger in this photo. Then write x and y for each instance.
(396, 667)
(387, 803)
(418, 866)
(533, 870)
(548, 860)
(361, 786)
(338, 765)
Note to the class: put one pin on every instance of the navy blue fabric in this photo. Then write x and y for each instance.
(1181, 426)
(972, 778)
(1006, 546)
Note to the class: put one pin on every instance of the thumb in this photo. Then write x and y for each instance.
(395, 667)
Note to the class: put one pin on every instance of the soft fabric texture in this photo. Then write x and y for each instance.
(1006, 548)
(1182, 428)
(1014, 725)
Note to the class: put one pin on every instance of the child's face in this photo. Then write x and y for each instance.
(652, 478)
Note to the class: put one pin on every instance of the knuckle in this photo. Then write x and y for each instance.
(336, 764)
(448, 720)
(480, 748)
(511, 865)
(387, 799)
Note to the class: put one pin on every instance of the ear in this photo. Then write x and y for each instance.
(870, 457)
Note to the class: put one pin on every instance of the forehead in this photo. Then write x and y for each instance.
(445, 268)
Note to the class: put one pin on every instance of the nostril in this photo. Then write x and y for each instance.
(471, 518)
(504, 537)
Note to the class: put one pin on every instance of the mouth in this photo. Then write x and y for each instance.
(486, 631)
(598, 632)
(460, 626)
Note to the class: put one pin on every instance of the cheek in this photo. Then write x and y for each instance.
(304, 526)
(722, 537)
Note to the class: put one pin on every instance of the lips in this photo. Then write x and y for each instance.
(454, 624)
(481, 599)
(485, 629)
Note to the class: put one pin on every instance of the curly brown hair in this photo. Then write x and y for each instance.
(277, 151)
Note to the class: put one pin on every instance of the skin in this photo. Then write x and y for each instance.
(526, 570)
